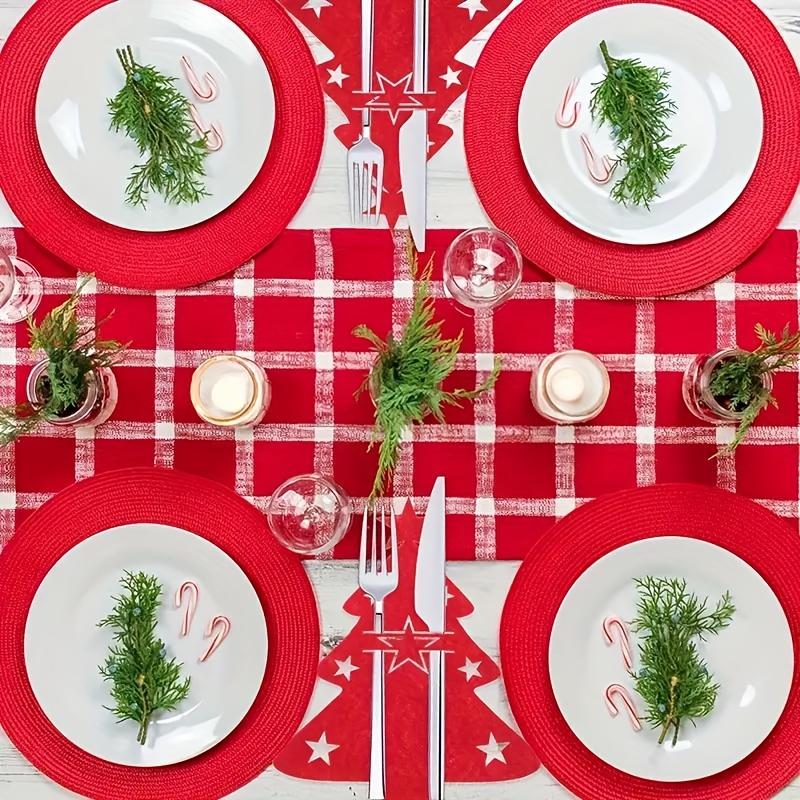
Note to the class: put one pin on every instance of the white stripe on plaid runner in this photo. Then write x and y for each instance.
(402, 294)
(362, 361)
(725, 296)
(244, 318)
(84, 437)
(323, 358)
(164, 378)
(8, 337)
(564, 319)
(485, 418)
(645, 393)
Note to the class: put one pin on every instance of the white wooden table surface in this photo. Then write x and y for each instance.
(452, 204)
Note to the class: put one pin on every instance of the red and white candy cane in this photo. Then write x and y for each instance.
(190, 588)
(600, 172)
(206, 87)
(218, 628)
(615, 690)
(614, 628)
(213, 135)
(562, 120)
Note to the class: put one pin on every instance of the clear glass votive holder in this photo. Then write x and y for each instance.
(309, 514)
(482, 269)
(20, 288)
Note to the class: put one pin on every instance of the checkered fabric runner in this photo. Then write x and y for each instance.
(510, 473)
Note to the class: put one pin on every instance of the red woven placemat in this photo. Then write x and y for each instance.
(216, 514)
(513, 203)
(745, 529)
(176, 258)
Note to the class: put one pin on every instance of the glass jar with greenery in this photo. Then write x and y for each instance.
(73, 385)
(735, 385)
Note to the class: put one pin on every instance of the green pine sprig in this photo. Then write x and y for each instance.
(673, 679)
(737, 383)
(143, 679)
(632, 98)
(152, 112)
(408, 374)
(73, 350)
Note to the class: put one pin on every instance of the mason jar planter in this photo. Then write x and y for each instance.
(98, 403)
(696, 387)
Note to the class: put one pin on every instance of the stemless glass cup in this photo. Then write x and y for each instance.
(20, 288)
(482, 269)
(309, 514)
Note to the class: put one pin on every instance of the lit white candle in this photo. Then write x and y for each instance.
(570, 386)
(567, 384)
(232, 392)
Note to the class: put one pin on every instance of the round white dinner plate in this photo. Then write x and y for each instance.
(64, 647)
(718, 118)
(752, 660)
(92, 164)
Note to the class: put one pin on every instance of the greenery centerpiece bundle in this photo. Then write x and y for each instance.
(737, 382)
(632, 98)
(73, 353)
(152, 112)
(673, 679)
(406, 379)
(143, 679)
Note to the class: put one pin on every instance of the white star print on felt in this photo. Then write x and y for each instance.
(493, 750)
(337, 76)
(471, 669)
(471, 5)
(346, 667)
(322, 749)
(450, 77)
(317, 5)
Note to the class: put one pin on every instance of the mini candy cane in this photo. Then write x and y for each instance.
(219, 627)
(207, 92)
(622, 693)
(561, 114)
(213, 136)
(191, 604)
(598, 176)
(611, 624)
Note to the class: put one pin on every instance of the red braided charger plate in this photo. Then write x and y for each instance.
(217, 514)
(571, 546)
(514, 204)
(175, 258)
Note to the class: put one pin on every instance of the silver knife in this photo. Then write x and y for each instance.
(413, 142)
(429, 602)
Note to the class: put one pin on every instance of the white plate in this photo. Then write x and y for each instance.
(92, 164)
(64, 646)
(752, 660)
(719, 119)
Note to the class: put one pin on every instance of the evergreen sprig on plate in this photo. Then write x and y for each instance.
(406, 380)
(632, 98)
(152, 112)
(143, 679)
(673, 679)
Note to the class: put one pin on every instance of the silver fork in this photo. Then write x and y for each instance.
(378, 581)
(365, 158)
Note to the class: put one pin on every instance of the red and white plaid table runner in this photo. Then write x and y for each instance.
(509, 472)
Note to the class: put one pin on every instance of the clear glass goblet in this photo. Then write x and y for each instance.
(309, 514)
(20, 288)
(482, 269)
